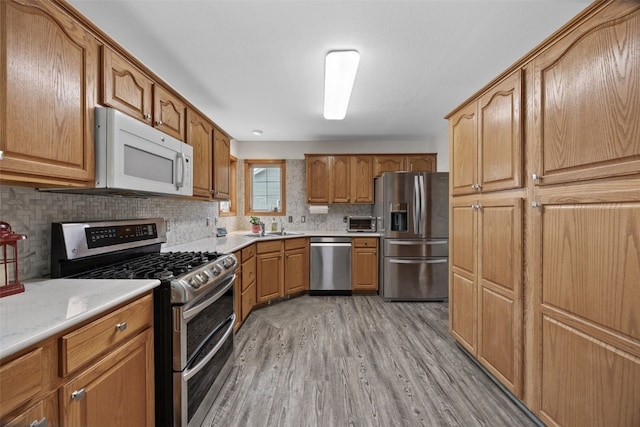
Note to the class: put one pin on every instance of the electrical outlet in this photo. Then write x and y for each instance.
(168, 222)
(208, 222)
(290, 218)
(303, 218)
(344, 219)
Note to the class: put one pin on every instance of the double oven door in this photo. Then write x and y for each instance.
(202, 352)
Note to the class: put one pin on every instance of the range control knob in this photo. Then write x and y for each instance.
(215, 270)
(195, 282)
(202, 277)
(227, 263)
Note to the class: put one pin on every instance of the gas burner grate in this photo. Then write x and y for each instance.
(163, 266)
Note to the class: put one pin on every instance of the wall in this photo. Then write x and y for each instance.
(296, 206)
(31, 212)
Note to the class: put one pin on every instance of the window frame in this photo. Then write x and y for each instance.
(233, 189)
(248, 187)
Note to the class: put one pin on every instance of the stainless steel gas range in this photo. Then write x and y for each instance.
(193, 306)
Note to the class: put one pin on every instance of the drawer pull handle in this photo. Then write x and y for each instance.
(41, 423)
(78, 395)
(121, 326)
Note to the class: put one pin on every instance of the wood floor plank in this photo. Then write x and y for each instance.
(356, 361)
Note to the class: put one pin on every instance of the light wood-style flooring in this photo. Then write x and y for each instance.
(356, 361)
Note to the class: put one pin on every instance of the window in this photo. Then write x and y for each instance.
(230, 207)
(264, 182)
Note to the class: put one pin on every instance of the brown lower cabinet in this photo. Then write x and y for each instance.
(364, 264)
(92, 375)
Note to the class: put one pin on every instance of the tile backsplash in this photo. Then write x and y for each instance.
(31, 212)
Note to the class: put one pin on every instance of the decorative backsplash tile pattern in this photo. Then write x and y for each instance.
(296, 206)
(31, 212)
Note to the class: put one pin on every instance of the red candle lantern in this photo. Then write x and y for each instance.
(9, 283)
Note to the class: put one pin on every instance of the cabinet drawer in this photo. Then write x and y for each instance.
(20, 380)
(82, 345)
(271, 246)
(365, 242)
(299, 243)
(248, 274)
(248, 252)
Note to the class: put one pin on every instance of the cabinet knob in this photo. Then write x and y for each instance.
(147, 116)
(159, 123)
(78, 395)
(121, 326)
(1, 154)
(536, 205)
(535, 177)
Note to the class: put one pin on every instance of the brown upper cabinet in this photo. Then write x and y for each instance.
(128, 89)
(404, 162)
(221, 165)
(199, 136)
(169, 112)
(46, 111)
(348, 178)
(487, 142)
(125, 87)
(601, 135)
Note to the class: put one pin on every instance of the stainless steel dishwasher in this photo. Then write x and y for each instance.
(330, 266)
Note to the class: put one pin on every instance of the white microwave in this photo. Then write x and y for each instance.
(133, 157)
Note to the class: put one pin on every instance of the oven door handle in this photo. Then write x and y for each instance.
(188, 373)
(206, 302)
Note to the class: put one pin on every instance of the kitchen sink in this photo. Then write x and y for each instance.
(274, 234)
(282, 233)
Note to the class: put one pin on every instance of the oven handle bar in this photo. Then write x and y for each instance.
(206, 302)
(188, 373)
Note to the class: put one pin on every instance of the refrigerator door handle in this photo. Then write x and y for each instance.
(414, 243)
(418, 261)
(423, 210)
(416, 205)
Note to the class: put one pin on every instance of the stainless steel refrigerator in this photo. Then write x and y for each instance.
(413, 216)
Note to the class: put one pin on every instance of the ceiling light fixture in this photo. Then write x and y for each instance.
(256, 132)
(339, 74)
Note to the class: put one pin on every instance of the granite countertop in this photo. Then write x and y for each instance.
(50, 306)
(237, 240)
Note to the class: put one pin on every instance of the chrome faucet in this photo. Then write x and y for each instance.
(262, 228)
(281, 226)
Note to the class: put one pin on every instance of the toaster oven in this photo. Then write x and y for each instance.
(361, 224)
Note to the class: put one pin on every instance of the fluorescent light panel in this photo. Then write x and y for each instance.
(339, 74)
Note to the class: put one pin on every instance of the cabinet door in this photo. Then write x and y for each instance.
(116, 391)
(462, 282)
(221, 165)
(500, 144)
(199, 134)
(500, 305)
(362, 179)
(390, 163)
(49, 71)
(169, 113)
(421, 163)
(318, 179)
(125, 87)
(588, 108)
(364, 269)
(268, 276)
(340, 179)
(296, 271)
(463, 149)
(248, 300)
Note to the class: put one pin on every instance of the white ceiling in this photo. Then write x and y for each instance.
(259, 64)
